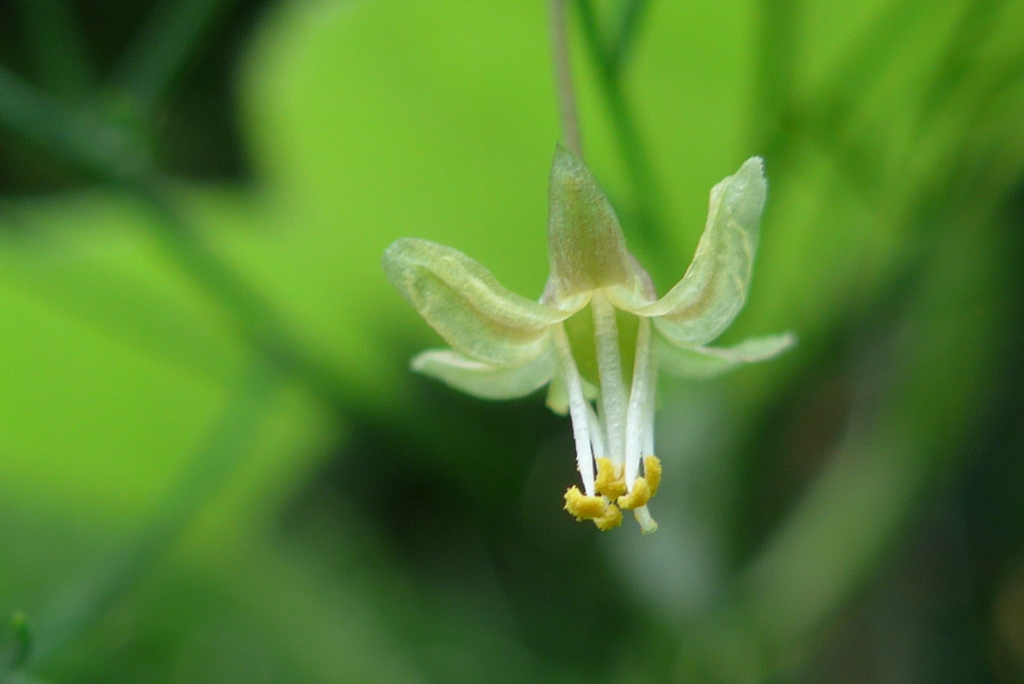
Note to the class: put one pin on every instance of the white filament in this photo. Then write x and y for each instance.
(639, 416)
(649, 404)
(596, 433)
(579, 408)
(609, 368)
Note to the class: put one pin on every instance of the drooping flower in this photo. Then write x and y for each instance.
(599, 334)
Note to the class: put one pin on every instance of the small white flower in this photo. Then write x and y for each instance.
(599, 334)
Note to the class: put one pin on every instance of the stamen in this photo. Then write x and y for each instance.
(584, 507)
(647, 523)
(609, 479)
(596, 436)
(652, 393)
(609, 368)
(611, 519)
(578, 406)
(652, 472)
(597, 508)
(638, 496)
(639, 416)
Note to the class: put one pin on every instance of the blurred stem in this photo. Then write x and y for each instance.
(258, 323)
(15, 647)
(22, 678)
(30, 114)
(925, 381)
(872, 51)
(775, 74)
(58, 47)
(825, 119)
(76, 135)
(638, 163)
(231, 439)
(618, 52)
(84, 138)
(960, 58)
(162, 49)
(563, 78)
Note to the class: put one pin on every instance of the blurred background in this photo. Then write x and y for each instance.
(215, 465)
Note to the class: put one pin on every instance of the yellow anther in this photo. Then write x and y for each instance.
(610, 481)
(611, 519)
(640, 495)
(652, 472)
(582, 506)
(611, 486)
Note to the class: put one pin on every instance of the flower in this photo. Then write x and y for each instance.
(599, 334)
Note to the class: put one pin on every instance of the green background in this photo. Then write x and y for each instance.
(215, 465)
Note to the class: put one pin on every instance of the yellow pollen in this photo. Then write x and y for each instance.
(611, 519)
(610, 481)
(652, 472)
(640, 495)
(582, 506)
(610, 486)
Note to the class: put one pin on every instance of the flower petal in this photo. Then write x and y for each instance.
(483, 380)
(585, 243)
(466, 305)
(714, 289)
(707, 362)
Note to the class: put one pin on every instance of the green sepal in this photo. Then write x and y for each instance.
(586, 247)
(484, 380)
(715, 286)
(466, 305)
(708, 362)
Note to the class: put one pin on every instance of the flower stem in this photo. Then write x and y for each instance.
(639, 167)
(563, 79)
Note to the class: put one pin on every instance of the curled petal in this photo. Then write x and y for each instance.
(707, 362)
(715, 286)
(483, 380)
(467, 306)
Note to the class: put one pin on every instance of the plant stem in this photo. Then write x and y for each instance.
(78, 135)
(563, 79)
(61, 55)
(161, 50)
(84, 138)
(257, 322)
(629, 25)
(646, 196)
(775, 73)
